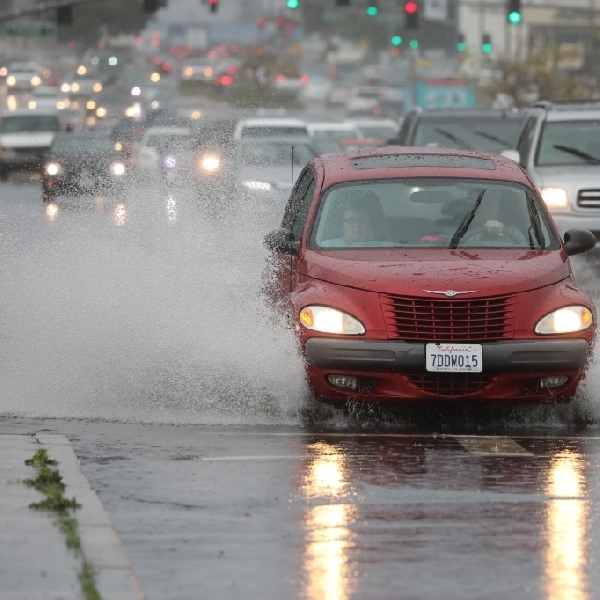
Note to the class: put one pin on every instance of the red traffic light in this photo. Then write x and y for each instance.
(411, 7)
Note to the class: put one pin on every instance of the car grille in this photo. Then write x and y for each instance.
(449, 320)
(450, 384)
(588, 199)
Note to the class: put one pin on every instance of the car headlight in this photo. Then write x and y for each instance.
(555, 198)
(330, 320)
(74, 87)
(565, 320)
(53, 168)
(11, 80)
(117, 168)
(97, 87)
(210, 163)
(35, 80)
(258, 185)
(65, 87)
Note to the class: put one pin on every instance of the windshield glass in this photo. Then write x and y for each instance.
(172, 141)
(422, 213)
(569, 143)
(83, 145)
(378, 133)
(19, 124)
(273, 131)
(336, 134)
(487, 135)
(275, 154)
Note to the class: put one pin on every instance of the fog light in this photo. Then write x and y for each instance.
(553, 382)
(343, 381)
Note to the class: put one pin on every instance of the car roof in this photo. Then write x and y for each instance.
(271, 122)
(340, 167)
(327, 126)
(171, 130)
(465, 113)
(287, 140)
(568, 112)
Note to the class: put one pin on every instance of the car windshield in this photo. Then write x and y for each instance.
(336, 134)
(171, 141)
(486, 135)
(262, 131)
(569, 143)
(83, 145)
(19, 124)
(378, 132)
(431, 213)
(267, 154)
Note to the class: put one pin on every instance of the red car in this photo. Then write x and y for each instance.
(422, 274)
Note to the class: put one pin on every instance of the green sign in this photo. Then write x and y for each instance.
(31, 30)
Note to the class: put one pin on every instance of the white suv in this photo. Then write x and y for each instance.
(559, 147)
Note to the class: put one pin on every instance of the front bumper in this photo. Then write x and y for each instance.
(395, 371)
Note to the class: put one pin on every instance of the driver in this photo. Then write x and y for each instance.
(486, 226)
(355, 226)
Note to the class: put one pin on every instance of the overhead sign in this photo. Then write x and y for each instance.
(571, 16)
(31, 30)
(435, 10)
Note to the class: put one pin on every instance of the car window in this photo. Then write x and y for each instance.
(421, 213)
(377, 133)
(569, 143)
(296, 197)
(267, 154)
(336, 134)
(526, 141)
(302, 214)
(486, 135)
(273, 131)
(19, 124)
(166, 140)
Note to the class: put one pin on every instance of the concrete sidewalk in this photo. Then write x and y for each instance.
(34, 561)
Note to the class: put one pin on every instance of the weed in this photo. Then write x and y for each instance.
(49, 482)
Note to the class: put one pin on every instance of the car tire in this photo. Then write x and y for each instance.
(4, 174)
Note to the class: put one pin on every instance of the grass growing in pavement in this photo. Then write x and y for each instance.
(49, 482)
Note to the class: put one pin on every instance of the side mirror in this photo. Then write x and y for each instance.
(280, 241)
(512, 155)
(578, 241)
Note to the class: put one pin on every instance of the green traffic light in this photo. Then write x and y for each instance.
(372, 11)
(293, 4)
(514, 17)
(396, 40)
(414, 44)
(461, 46)
(486, 48)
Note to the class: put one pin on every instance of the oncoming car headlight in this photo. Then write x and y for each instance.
(330, 320)
(210, 163)
(555, 198)
(53, 168)
(35, 81)
(565, 320)
(117, 168)
(11, 80)
(264, 186)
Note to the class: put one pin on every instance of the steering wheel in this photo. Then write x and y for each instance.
(488, 237)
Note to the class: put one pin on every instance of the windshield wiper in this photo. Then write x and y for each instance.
(534, 215)
(493, 138)
(592, 160)
(449, 135)
(464, 224)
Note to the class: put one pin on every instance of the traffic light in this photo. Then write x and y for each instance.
(151, 6)
(411, 14)
(413, 44)
(64, 15)
(461, 45)
(513, 12)
(293, 4)
(396, 40)
(372, 8)
(486, 43)
(214, 5)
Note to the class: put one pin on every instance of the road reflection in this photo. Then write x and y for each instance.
(51, 211)
(566, 529)
(328, 567)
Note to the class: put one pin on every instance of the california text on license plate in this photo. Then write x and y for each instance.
(454, 358)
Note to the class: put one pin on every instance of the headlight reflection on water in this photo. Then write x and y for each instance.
(171, 210)
(51, 211)
(566, 530)
(327, 564)
(120, 214)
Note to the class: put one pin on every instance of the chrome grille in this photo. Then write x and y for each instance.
(588, 198)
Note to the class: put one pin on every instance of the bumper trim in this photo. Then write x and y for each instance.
(498, 357)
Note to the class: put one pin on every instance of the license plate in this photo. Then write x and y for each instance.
(453, 358)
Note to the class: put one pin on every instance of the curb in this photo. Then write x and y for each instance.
(115, 578)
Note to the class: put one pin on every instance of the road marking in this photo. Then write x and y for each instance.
(492, 446)
(265, 457)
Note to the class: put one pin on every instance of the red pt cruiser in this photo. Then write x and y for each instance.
(420, 274)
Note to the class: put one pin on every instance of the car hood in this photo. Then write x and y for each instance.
(27, 139)
(279, 177)
(408, 272)
(573, 176)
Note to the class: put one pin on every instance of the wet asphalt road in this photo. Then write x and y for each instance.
(259, 512)
(347, 510)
